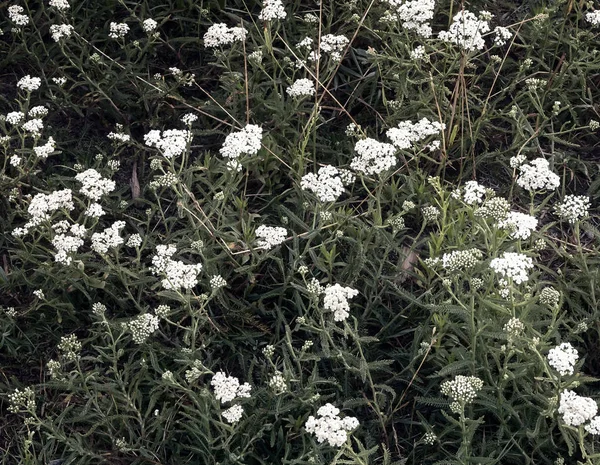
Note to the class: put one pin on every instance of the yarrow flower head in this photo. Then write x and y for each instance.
(414, 15)
(61, 5)
(176, 274)
(459, 260)
(270, 236)
(576, 410)
(29, 84)
(219, 34)
(462, 390)
(149, 25)
(245, 142)
(228, 388)
(328, 184)
(407, 133)
(466, 31)
(301, 88)
(109, 238)
(473, 193)
(15, 13)
(336, 300)
(272, 9)
(573, 208)
(233, 414)
(118, 30)
(563, 358)
(519, 224)
(143, 327)
(513, 266)
(536, 176)
(171, 143)
(373, 157)
(94, 186)
(501, 35)
(60, 31)
(328, 426)
(334, 45)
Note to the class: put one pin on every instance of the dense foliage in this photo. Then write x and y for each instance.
(352, 232)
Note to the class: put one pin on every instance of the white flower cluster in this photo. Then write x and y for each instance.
(233, 414)
(501, 35)
(14, 117)
(513, 265)
(228, 388)
(536, 175)
(272, 9)
(519, 224)
(270, 236)
(43, 205)
(109, 238)
(301, 88)
(34, 126)
(217, 282)
(328, 184)
(95, 210)
(94, 185)
(575, 409)
(38, 111)
(43, 151)
(414, 15)
(466, 31)
(496, 208)
(336, 300)
(67, 244)
(61, 5)
(563, 358)
(462, 390)
(593, 17)
(418, 53)
(119, 136)
(176, 274)
(573, 208)
(189, 118)
(149, 25)
(60, 31)
(219, 34)
(459, 260)
(29, 84)
(407, 132)
(513, 327)
(118, 30)
(143, 327)
(21, 399)
(172, 142)
(373, 157)
(473, 193)
(329, 426)
(135, 240)
(244, 142)
(277, 383)
(334, 45)
(15, 13)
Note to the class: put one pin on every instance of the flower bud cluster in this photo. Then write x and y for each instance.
(460, 260)
(143, 327)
